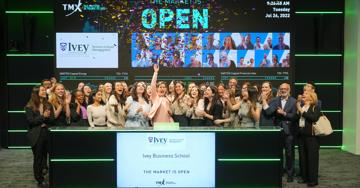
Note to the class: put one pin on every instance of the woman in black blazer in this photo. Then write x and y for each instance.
(308, 114)
(39, 115)
(213, 107)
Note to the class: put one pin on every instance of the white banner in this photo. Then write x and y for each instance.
(86, 50)
(165, 160)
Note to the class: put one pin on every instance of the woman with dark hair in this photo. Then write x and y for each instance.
(39, 115)
(179, 105)
(229, 44)
(96, 111)
(148, 93)
(196, 106)
(268, 103)
(78, 109)
(115, 108)
(249, 111)
(171, 91)
(177, 62)
(126, 88)
(275, 61)
(60, 100)
(138, 107)
(213, 107)
(160, 109)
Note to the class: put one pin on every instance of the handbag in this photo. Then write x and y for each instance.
(322, 127)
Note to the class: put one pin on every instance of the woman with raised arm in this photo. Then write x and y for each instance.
(160, 110)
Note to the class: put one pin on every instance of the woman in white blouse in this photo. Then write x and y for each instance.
(97, 111)
(138, 107)
(115, 107)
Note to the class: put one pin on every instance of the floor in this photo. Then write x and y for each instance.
(337, 169)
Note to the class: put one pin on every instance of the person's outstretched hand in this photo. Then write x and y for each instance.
(156, 68)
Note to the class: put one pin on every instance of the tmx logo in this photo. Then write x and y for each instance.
(155, 140)
(73, 7)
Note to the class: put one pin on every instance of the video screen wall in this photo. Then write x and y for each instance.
(210, 50)
(191, 40)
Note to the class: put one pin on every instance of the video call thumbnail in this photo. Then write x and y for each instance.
(210, 50)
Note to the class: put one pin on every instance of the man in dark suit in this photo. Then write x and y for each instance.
(284, 117)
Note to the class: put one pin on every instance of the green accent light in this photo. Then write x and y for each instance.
(318, 12)
(327, 147)
(19, 147)
(16, 111)
(248, 160)
(150, 130)
(17, 131)
(30, 55)
(338, 130)
(82, 160)
(23, 84)
(321, 84)
(331, 111)
(29, 12)
(331, 147)
(318, 55)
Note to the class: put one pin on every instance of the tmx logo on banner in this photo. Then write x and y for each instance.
(80, 7)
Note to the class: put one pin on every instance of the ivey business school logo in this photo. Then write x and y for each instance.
(70, 47)
(80, 7)
(156, 140)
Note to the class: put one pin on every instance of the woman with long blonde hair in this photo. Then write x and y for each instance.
(309, 145)
(60, 100)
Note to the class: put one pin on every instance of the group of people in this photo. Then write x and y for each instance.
(210, 50)
(142, 105)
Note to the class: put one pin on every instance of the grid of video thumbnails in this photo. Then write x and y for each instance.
(210, 50)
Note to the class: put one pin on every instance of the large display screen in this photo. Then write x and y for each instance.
(87, 50)
(210, 50)
(165, 160)
(192, 40)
